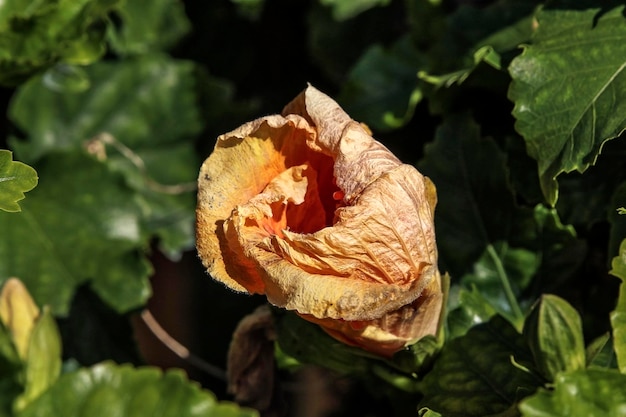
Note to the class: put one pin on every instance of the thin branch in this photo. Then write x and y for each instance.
(95, 147)
(506, 284)
(176, 347)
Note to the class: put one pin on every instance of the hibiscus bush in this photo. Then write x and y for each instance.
(497, 124)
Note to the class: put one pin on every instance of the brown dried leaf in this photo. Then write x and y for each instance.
(250, 366)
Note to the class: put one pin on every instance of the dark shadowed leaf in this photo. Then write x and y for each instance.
(93, 332)
(618, 316)
(568, 89)
(475, 204)
(475, 375)
(499, 26)
(382, 89)
(308, 343)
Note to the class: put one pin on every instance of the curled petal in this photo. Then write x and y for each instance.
(307, 208)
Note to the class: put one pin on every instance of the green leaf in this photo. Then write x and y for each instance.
(617, 220)
(35, 37)
(148, 27)
(250, 9)
(590, 392)
(308, 343)
(475, 204)
(618, 316)
(600, 353)
(108, 390)
(147, 102)
(497, 28)
(382, 88)
(417, 356)
(562, 253)
(43, 363)
(16, 178)
(578, 206)
(347, 9)
(474, 375)
(65, 78)
(568, 89)
(140, 117)
(553, 330)
(336, 59)
(81, 224)
(484, 54)
(500, 267)
(425, 412)
(467, 310)
(11, 368)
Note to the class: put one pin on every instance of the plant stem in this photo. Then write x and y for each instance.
(506, 284)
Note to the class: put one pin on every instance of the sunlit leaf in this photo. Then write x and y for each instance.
(146, 28)
(139, 117)
(43, 363)
(590, 392)
(36, 37)
(600, 352)
(82, 224)
(618, 316)
(16, 178)
(475, 376)
(553, 331)
(568, 89)
(109, 390)
(346, 9)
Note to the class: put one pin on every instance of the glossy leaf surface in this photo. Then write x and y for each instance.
(568, 89)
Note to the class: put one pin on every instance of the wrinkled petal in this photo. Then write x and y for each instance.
(309, 209)
(394, 330)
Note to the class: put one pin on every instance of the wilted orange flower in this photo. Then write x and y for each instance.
(307, 208)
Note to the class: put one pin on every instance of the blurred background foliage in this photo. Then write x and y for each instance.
(115, 103)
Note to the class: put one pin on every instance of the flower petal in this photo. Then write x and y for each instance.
(394, 330)
(378, 256)
(307, 208)
(242, 164)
